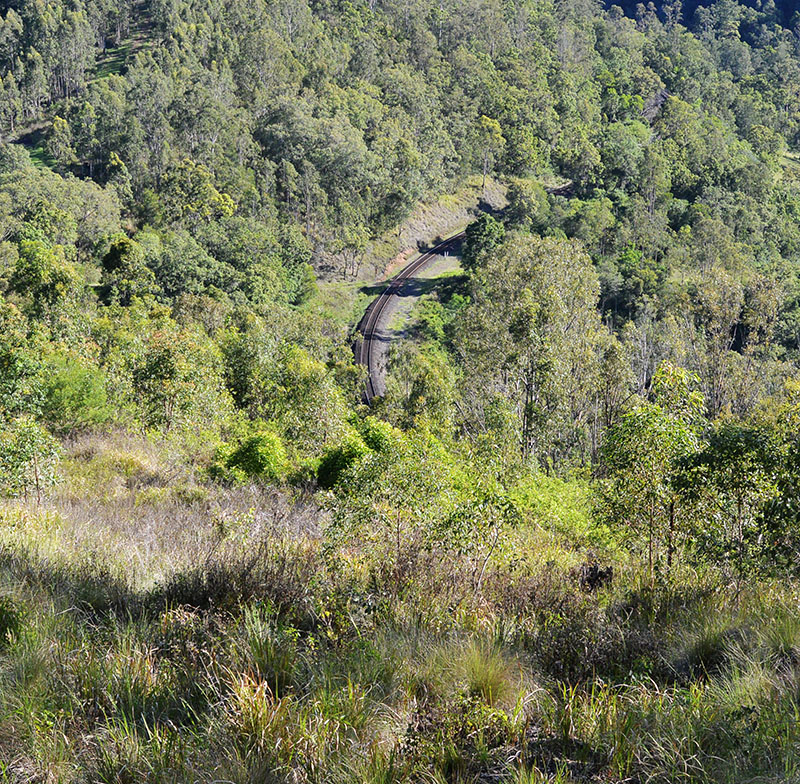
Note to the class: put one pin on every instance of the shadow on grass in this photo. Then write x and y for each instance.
(220, 584)
(34, 143)
(447, 285)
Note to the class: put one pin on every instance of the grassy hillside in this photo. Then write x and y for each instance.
(158, 629)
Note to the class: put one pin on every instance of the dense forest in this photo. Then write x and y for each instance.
(563, 547)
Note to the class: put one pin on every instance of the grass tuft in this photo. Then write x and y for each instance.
(489, 674)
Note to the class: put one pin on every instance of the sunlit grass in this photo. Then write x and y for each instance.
(196, 640)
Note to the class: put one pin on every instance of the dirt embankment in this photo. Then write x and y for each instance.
(441, 218)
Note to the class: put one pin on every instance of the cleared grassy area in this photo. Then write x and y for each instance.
(414, 290)
(34, 141)
(343, 302)
(115, 59)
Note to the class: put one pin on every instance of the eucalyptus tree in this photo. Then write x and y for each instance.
(640, 456)
(532, 336)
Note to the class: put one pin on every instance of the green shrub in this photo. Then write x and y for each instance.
(28, 458)
(338, 459)
(74, 395)
(219, 465)
(304, 472)
(261, 456)
(376, 434)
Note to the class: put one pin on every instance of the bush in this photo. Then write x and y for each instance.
(28, 458)
(338, 459)
(261, 456)
(376, 434)
(74, 396)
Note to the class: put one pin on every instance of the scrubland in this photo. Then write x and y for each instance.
(158, 628)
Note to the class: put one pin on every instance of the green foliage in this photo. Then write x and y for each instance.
(376, 434)
(491, 142)
(28, 458)
(74, 395)
(180, 264)
(337, 460)
(304, 398)
(393, 498)
(260, 456)
(736, 476)
(528, 207)
(642, 453)
(422, 388)
(563, 506)
(638, 283)
(176, 377)
(45, 276)
(190, 195)
(125, 273)
(175, 179)
(59, 144)
(489, 675)
(482, 237)
(20, 364)
(531, 338)
(273, 650)
(11, 620)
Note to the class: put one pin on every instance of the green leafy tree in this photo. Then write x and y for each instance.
(531, 337)
(191, 197)
(180, 264)
(10, 102)
(28, 458)
(482, 236)
(736, 476)
(421, 388)
(59, 144)
(337, 460)
(74, 395)
(125, 272)
(388, 501)
(483, 517)
(491, 143)
(303, 396)
(46, 277)
(176, 378)
(20, 364)
(641, 453)
(528, 207)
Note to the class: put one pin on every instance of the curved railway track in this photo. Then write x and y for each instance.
(365, 347)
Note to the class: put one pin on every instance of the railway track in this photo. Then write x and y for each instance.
(365, 347)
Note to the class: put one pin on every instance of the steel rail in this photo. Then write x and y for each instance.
(364, 348)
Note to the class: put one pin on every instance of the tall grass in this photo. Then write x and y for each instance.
(239, 650)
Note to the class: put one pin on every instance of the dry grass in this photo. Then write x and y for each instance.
(208, 635)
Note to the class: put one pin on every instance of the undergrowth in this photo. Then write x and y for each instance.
(219, 640)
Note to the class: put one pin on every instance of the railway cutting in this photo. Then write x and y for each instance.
(372, 333)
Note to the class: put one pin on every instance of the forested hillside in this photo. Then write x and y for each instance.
(563, 547)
